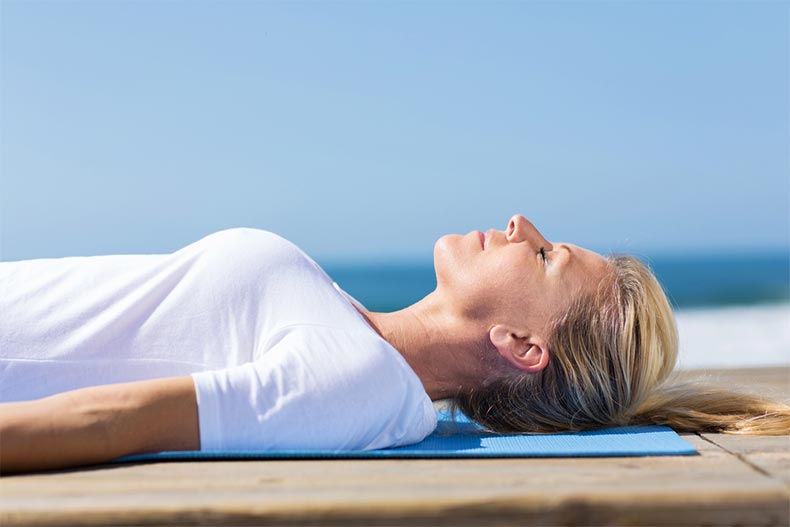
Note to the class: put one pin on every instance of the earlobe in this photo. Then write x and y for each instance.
(528, 353)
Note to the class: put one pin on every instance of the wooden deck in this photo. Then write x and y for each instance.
(734, 481)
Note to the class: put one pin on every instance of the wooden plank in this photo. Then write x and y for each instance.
(770, 454)
(713, 488)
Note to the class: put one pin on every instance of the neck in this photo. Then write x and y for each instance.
(444, 351)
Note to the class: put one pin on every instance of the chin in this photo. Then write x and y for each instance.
(444, 255)
(445, 246)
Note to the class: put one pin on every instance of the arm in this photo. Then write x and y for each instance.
(97, 424)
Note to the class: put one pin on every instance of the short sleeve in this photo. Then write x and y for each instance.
(318, 388)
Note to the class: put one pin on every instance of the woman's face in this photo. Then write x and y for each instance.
(500, 277)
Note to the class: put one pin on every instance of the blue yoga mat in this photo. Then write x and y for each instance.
(465, 439)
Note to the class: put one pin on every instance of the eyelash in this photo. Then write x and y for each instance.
(543, 255)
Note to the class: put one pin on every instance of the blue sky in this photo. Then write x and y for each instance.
(366, 130)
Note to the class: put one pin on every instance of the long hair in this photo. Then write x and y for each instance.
(612, 356)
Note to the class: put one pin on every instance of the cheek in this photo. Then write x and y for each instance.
(519, 289)
(550, 304)
(491, 285)
(514, 291)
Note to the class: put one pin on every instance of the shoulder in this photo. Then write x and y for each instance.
(354, 349)
(318, 387)
(347, 361)
(362, 370)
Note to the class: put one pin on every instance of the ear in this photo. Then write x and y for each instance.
(526, 352)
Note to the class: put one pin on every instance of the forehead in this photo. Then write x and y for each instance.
(587, 257)
(584, 267)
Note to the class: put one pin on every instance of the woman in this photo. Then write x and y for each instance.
(240, 341)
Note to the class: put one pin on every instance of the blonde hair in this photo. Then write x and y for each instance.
(612, 353)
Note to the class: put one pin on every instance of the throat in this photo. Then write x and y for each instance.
(444, 361)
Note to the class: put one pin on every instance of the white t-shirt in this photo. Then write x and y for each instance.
(279, 356)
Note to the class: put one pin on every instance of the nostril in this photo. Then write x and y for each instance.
(510, 228)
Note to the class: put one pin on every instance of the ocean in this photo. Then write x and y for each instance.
(731, 310)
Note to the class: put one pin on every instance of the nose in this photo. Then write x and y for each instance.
(520, 229)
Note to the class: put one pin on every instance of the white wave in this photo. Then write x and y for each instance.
(734, 336)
